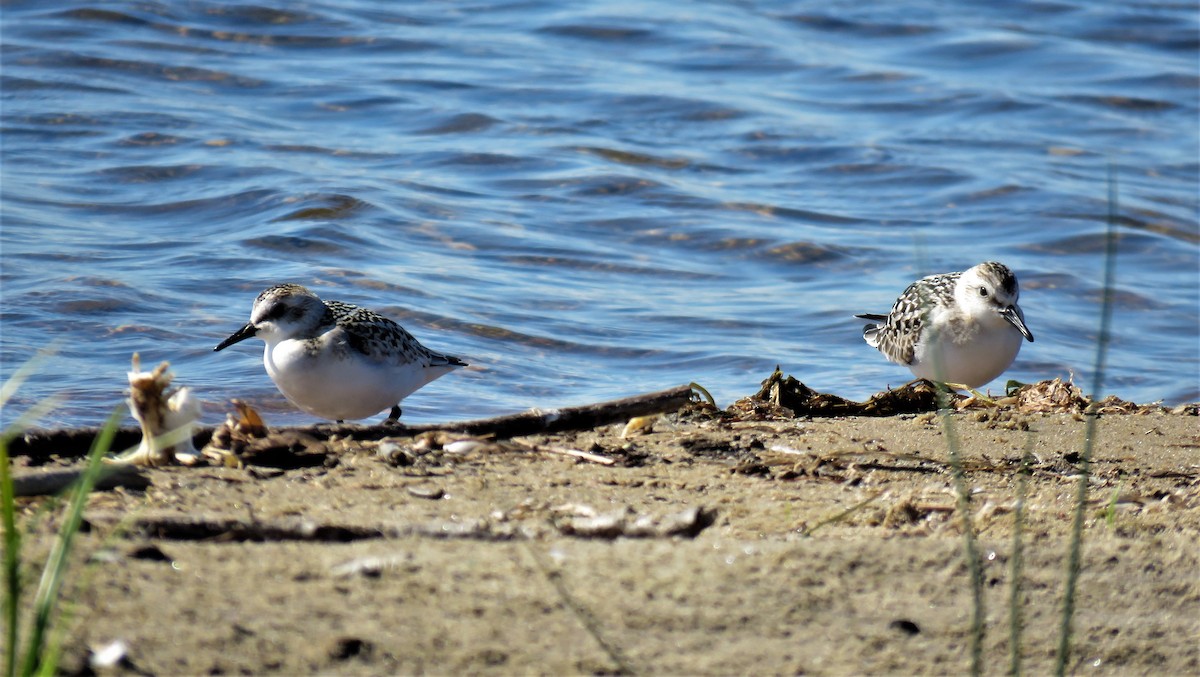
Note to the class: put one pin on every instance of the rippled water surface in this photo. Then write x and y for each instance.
(590, 200)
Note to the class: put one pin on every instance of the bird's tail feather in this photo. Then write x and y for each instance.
(439, 360)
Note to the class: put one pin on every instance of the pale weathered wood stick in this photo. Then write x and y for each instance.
(563, 451)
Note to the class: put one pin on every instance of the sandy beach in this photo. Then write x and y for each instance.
(746, 541)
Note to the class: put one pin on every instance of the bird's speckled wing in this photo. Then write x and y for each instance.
(381, 339)
(897, 337)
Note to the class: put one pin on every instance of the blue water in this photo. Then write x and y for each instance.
(592, 200)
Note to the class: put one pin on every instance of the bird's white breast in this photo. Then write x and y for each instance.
(337, 383)
(969, 352)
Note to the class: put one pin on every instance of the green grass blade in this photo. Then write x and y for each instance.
(12, 561)
(1110, 512)
(1089, 440)
(809, 531)
(13, 587)
(970, 543)
(1016, 618)
(22, 374)
(14, 382)
(52, 575)
(703, 392)
(26, 419)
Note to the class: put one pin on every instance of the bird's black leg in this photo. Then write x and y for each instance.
(395, 415)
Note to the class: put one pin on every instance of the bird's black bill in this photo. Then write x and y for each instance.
(242, 334)
(1014, 316)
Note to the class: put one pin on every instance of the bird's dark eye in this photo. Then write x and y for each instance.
(275, 312)
(983, 291)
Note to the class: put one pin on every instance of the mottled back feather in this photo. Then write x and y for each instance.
(896, 336)
(379, 338)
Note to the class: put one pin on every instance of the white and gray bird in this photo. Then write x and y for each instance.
(959, 328)
(336, 360)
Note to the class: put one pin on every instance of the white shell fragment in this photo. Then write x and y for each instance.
(639, 425)
(586, 522)
(109, 656)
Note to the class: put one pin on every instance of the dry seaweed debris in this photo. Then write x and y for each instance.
(784, 397)
(1057, 396)
(230, 441)
(243, 439)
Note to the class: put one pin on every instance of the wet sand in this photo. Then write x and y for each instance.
(711, 544)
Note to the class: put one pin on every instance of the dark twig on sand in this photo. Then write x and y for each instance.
(225, 528)
(205, 527)
(42, 484)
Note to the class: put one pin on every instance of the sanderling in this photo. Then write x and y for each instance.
(335, 360)
(958, 328)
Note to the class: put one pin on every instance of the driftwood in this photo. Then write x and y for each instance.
(530, 422)
(40, 445)
(111, 476)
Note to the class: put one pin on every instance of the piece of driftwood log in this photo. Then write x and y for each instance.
(111, 476)
(529, 422)
(40, 445)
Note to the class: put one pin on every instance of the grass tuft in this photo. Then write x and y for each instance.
(1110, 512)
(40, 657)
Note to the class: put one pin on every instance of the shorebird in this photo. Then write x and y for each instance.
(956, 328)
(335, 360)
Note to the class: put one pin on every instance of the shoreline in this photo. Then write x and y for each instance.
(702, 542)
